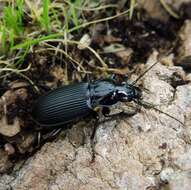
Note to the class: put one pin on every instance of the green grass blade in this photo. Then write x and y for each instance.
(22, 58)
(74, 13)
(12, 38)
(132, 7)
(20, 11)
(31, 42)
(45, 15)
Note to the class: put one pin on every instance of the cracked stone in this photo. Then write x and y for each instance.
(180, 180)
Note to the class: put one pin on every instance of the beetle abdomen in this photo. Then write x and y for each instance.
(63, 105)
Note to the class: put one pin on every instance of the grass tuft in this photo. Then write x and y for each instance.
(11, 24)
(25, 24)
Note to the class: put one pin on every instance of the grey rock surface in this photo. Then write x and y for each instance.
(185, 36)
(149, 150)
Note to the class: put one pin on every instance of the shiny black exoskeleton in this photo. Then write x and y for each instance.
(68, 103)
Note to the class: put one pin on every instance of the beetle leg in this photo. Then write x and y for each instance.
(42, 138)
(106, 111)
(50, 135)
(118, 79)
(95, 114)
(123, 110)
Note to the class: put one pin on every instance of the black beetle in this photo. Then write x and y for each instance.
(70, 102)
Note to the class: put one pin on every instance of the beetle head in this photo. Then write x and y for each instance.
(128, 93)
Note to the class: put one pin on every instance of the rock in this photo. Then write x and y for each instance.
(184, 50)
(154, 9)
(9, 130)
(9, 148)
(166, 174)
(5, 163)
(138, 152)
(183, 161)
(76, 135)
(176, 180)
(10, 124)
(185, 36)
(46, 166)
(4, 182)
(180, 180)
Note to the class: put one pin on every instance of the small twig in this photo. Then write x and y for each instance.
(169, 10)
(98, 21)
(77, 43)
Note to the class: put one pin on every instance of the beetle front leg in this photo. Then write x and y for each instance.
(106, 112)
(121, 110)
(95, 114)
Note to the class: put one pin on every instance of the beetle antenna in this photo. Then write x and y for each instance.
(135, 81)
(149, 105)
